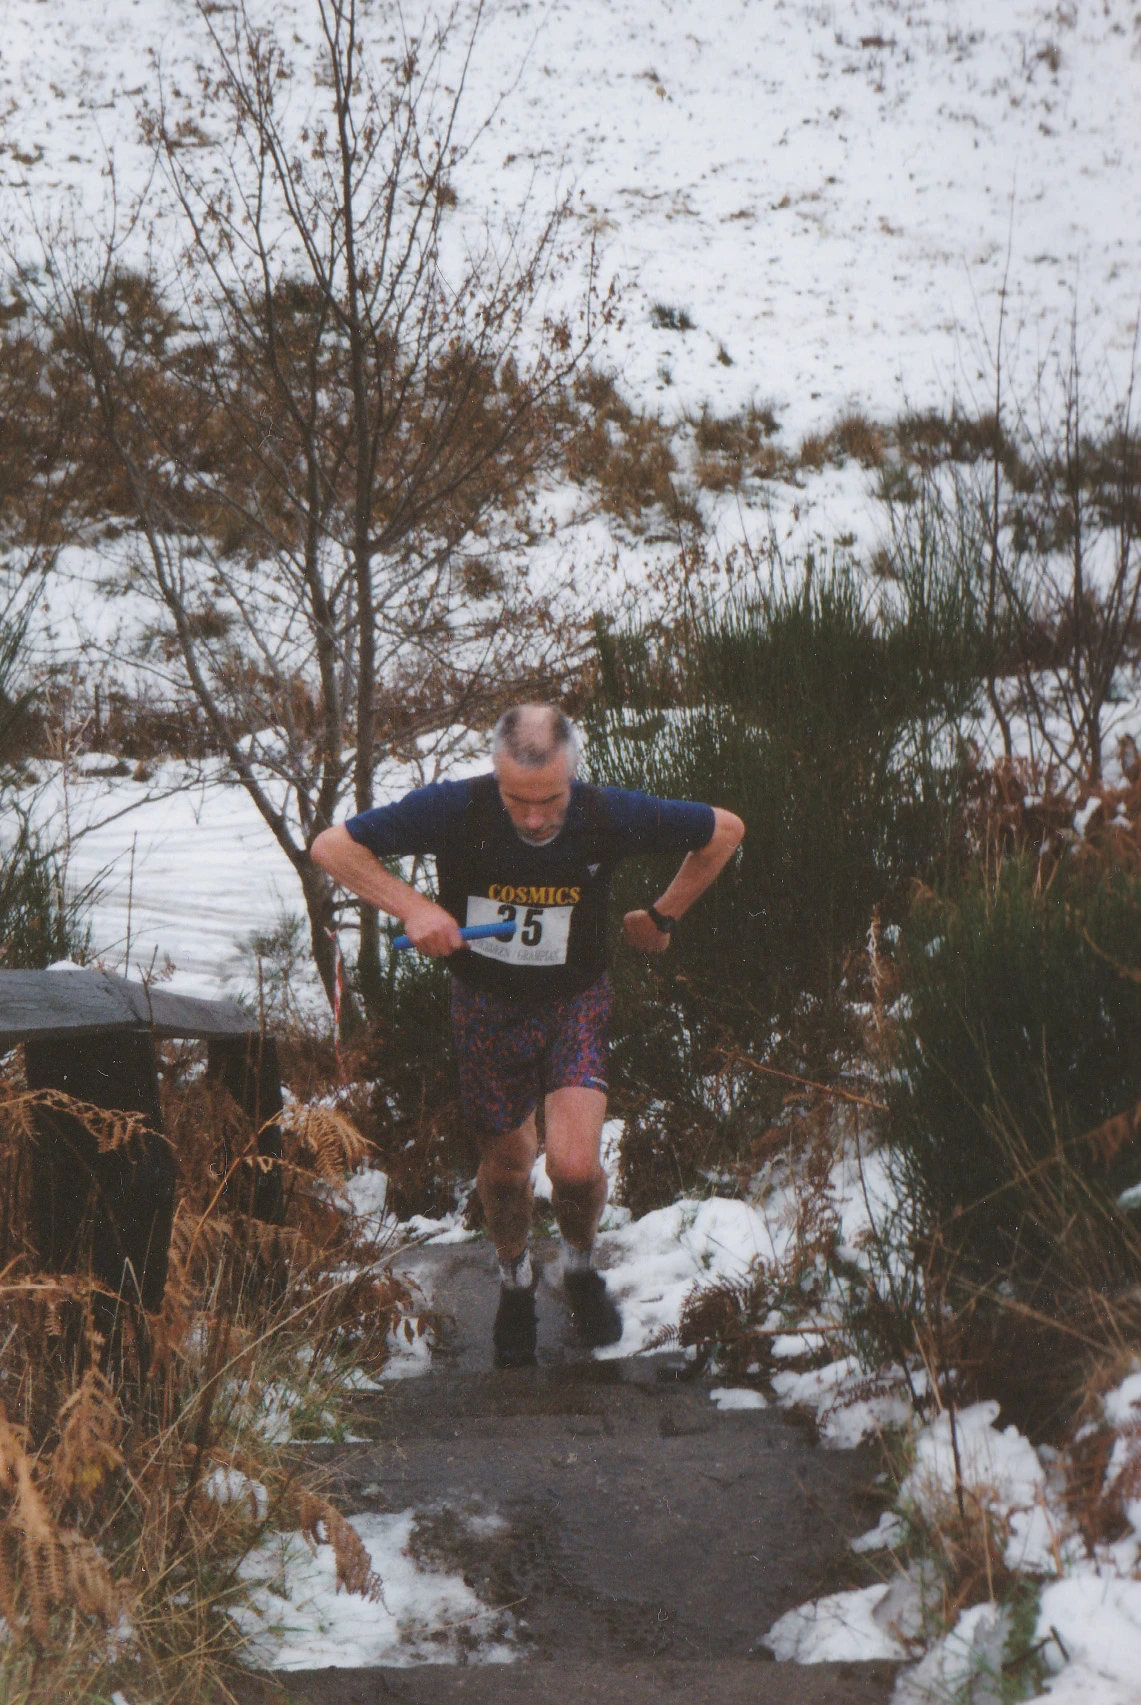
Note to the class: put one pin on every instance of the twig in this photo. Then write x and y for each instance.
(1127, 971)
(482, 1611)
(735, 1058)
(130, 903)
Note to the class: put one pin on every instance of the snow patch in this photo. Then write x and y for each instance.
(973, 1651)
(838, 1629)
(295, 1618)
(231, 1486)
(729, 1397)
(1099, 1620)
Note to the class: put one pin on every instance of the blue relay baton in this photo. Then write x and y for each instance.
(473, 932)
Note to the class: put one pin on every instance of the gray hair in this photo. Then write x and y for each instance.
(533, 734)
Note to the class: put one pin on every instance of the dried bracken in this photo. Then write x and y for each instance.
(59, 1568)
(324, 1140)
(319, 1520)
(136, 1469)
(111, 1130)
(90, 1431)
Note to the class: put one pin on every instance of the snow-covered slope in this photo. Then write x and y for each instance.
(829, 192)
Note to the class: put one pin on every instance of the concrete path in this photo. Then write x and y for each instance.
(641, 1540)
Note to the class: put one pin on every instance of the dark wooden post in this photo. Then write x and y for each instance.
(248, 1066)
(118, 1205)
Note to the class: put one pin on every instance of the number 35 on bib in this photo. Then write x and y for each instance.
(541, 932)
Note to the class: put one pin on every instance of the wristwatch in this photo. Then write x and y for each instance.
(660, 922)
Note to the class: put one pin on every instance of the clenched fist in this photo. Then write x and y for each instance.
(432, 930)
(639, 930)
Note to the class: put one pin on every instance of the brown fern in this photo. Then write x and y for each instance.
(1106, 1140)
(111, 1129)
(90, 1430)
(323, 1139)
(354, 1568)
(58, 1567)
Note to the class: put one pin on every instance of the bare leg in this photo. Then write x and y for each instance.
(578, 1183)
(504, 1184)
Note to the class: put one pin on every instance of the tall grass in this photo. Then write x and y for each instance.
(140, 1465)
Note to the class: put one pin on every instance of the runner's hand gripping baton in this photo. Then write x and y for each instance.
(474, 932)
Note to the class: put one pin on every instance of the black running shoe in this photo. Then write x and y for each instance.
(593, 1309)
(514, 1332)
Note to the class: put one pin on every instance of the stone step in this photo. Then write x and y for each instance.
(697, 1682)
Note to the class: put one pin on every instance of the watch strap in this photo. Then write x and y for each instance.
(660, 922)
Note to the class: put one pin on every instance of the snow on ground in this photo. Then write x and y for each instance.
(1000, 1470)
(184, 862)
(840, 1628)
(1098, 1618)
(1089, 1612)
(827, 193)
(969, 1657)
(297, 1619)
(653, 1263)
(736, 1397)
(187, 866)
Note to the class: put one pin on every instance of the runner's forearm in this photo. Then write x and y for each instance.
(354, 867)
(702, 868)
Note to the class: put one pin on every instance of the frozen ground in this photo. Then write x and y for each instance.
(1089, 1610)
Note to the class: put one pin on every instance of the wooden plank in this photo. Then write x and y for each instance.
(40, 1004)
(168, 1014)
(36, 1005)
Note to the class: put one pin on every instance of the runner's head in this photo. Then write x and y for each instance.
(535, 752)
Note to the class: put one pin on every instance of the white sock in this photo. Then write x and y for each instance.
(517, 1275)
(575, 1260)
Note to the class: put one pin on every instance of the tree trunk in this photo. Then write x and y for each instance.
(318, 892)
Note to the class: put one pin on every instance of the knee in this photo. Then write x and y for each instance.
(506, 1175)
(572, 1178)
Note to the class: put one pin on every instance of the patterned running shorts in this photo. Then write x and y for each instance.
(508, 1055)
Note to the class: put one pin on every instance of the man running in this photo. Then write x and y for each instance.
(531, 845)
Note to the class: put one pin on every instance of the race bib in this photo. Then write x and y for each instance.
(541, 932)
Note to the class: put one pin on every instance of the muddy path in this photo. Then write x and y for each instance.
(639, 1540)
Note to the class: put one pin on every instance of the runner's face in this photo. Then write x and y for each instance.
(535, 800)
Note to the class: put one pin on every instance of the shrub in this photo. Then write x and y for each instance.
(817, 719)
(413, 1115)
(1018, 1049)
(732, 448)
(670, 319)
(39, 921)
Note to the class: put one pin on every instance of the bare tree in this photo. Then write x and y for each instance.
(1045, 526)
(327, 423)
(1087, 522)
